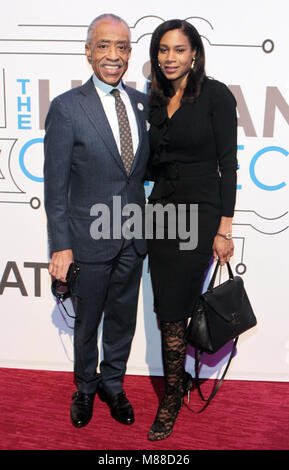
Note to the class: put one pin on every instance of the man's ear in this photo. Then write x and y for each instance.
(88, 52)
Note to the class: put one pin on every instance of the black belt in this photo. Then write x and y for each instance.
(176, 170)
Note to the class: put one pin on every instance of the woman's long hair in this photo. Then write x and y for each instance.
(161, 87)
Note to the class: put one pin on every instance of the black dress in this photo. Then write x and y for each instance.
(193, 161)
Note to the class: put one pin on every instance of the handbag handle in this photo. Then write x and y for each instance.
(230, 272)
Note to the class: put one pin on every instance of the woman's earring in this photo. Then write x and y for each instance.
(193, 63)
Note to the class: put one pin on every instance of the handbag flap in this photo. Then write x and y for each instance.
(227, 298)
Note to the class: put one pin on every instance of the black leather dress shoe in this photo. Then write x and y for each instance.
(120, 407)
(81, 408)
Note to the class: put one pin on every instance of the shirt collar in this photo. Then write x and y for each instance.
(103, 88)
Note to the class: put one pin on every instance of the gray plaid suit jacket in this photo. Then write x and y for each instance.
(83, 167)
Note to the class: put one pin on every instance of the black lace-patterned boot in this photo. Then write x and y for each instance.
(178, 382)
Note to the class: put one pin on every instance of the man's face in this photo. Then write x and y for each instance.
(109, 50)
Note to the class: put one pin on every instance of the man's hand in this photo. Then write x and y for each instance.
(59, 264)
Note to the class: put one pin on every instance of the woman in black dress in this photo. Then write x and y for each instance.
(193, 135)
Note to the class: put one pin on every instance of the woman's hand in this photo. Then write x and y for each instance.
(222, 249)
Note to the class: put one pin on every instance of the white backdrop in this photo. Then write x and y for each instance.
(42, 55)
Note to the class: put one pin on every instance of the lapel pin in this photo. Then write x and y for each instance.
(140, 106)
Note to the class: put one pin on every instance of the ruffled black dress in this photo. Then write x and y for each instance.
(193, 162)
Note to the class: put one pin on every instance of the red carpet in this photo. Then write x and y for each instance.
(243, 416)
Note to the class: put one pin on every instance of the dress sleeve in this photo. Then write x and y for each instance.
(224, 119)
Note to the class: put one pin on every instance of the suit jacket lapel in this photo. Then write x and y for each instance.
(92, 105)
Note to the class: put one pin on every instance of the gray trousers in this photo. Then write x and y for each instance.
(110, 288)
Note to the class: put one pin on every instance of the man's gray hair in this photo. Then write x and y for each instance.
(110, 16)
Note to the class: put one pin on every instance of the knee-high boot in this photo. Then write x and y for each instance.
(177, 382)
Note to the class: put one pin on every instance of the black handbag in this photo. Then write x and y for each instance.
(219, 316)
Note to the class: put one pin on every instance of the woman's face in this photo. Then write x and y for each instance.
(175, 56)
